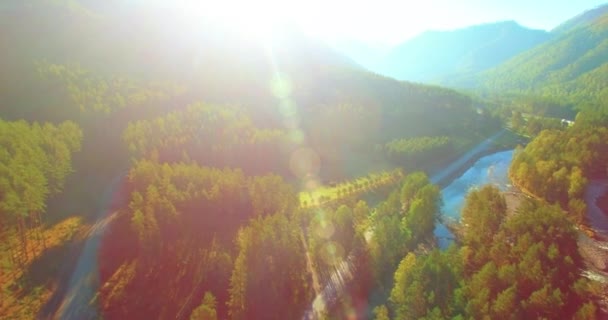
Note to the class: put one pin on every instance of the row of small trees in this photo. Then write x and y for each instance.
(413, 152)
(368, 183)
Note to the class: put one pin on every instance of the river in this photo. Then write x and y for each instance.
(596, 217)
(490, 169)
(494, 169)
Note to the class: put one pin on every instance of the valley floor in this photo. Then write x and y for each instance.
(73, 292)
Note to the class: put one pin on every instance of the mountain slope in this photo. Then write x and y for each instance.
(438, 56)
(573, 66)
(137, 63)
(582, 20)
(143, 43)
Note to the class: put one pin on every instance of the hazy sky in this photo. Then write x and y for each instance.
(391, 21)
(385, 22)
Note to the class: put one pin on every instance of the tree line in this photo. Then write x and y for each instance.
(96, 93)
(414, 151)
(557, 164)
(211, 135)
(35, 160)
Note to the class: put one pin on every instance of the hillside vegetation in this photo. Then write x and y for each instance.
(571, 67)
(223, 178)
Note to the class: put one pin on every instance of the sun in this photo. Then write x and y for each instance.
(257, 19)
(264, 20)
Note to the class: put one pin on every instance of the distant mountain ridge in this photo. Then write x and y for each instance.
(572, 66)
(442, 56)
(582, 20)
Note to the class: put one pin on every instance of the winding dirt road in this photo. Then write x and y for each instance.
(77, 300)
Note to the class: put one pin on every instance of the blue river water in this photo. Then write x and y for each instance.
(490, 169)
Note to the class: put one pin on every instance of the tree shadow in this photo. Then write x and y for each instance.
(52, 268)
(86, 190)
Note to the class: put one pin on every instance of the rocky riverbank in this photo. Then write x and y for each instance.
(602, 202)
(595, 250)
(593, 238)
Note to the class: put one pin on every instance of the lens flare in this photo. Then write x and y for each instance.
(297, 136)
(325, 229)
(305, 163)
(332, 253)
(318, 305)
(281, 86)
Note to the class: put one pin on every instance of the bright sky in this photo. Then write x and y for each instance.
(393, 21)
(378, 21)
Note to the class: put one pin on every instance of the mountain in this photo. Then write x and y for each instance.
(367, 55)
(145, 43)
(582, 20)
(571, 67)
(115, 63)
(446, 56)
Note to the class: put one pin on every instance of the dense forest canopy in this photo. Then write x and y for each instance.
(570, 67)
(35, 161)
(557, 164)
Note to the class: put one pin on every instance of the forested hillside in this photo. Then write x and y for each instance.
(36, 159)
(571, 67)
(130, 72)
(582, 20)
(558, 168)
(557, 164)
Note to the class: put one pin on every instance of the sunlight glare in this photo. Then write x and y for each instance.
(257, 20)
